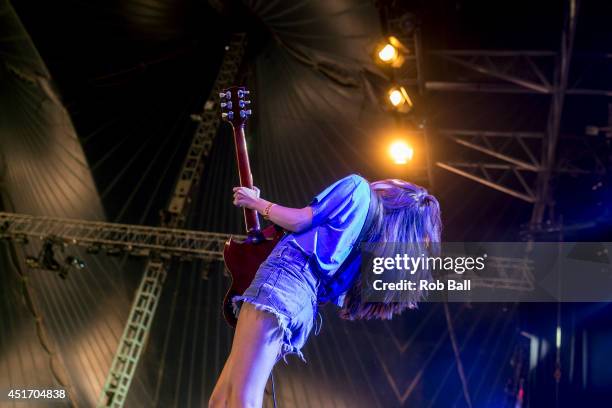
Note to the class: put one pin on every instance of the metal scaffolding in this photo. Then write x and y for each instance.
(147, 296)
(496, 144)
(135, 240)
(517, 72)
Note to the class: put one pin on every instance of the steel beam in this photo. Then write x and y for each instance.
(519, 134)
(588, 92)
(481, 141)
(517, 162)
(557, 88)
(555, 114)
(486, 181)
(477, 87)
(495, 73)
(494, 53)
(130, 239)
(502, 88)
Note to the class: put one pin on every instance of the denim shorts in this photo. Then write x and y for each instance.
(285, 286)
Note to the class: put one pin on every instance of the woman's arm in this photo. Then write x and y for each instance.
(291, 219)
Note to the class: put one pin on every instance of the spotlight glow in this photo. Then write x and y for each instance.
(399, 99)
(401, 152)
(388, 53)
(395, 97)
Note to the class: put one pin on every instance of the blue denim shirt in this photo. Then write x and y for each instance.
(339, 213)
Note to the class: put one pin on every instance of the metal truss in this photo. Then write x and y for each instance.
(535, 72)
(137, 240)
(518, 71)
(553, 127)
(147, 296)
(502, 273)
(507, 273)
(515, 157)
(480, 172)
(517, 68)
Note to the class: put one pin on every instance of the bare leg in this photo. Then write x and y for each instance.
(255, 350)
(220, 395)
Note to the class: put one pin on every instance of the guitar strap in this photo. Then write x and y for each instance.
(345, 275)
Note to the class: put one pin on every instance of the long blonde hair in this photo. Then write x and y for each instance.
(405, 213)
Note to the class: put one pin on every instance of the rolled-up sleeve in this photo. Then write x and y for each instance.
(333, 200)
(338, 215)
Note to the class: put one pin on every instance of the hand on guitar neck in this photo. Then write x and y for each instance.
(290, 219)
(243, 257)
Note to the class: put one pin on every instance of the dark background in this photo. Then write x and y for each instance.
(129, 74)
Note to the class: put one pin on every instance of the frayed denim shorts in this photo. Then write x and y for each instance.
(285, 286)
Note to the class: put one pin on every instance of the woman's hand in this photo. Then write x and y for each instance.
(291, 219)
(246, 197)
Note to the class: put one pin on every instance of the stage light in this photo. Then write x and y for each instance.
(398, 96)
(391, 52)
(388, 53)
(401, 152)
(395, 96)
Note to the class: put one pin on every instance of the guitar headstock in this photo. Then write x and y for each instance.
(235, 105)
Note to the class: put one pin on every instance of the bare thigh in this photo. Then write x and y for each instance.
(255, 350)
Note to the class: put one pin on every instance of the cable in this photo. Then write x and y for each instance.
(273, 389)
(451, 334)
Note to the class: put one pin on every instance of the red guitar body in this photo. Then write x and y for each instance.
(243, 257)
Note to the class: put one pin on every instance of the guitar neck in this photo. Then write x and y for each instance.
(251, 218)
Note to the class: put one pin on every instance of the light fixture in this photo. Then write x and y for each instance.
(391, 52)
(387, 53)
(399, 99)
(395, 96)
(401, 152)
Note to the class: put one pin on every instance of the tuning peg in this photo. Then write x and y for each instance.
(228, 115)
(227, 105)
(245, 113)
(242, 93)
(226, 95)
(243, 103)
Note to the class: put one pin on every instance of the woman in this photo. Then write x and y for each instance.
(316, 262)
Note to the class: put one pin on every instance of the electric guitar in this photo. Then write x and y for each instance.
(243, 257)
